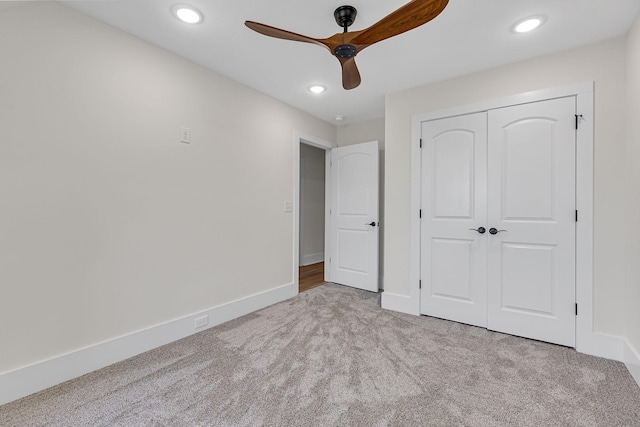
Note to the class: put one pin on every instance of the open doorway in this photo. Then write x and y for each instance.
(312, 217)
(351, 214)
(310, 257)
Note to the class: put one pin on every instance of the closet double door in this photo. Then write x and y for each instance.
(498, 220)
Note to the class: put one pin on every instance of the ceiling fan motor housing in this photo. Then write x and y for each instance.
(345, 51)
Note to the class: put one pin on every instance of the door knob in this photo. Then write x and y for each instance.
(480, 230)
(372, 223)
(494, 231)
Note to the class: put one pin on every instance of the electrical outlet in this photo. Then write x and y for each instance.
(201, 322)
(185, 134)
(288, 206)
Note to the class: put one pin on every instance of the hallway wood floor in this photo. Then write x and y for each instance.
(311, 276)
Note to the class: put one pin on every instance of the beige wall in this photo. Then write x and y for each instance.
(109, 223)
(633, 188)
(312, 194)
(603, 63)
(370, 130)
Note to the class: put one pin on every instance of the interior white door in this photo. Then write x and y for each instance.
(531, 258)
(354, 216)
(454, 204)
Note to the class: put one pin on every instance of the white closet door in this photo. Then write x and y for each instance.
(531, 286)
(454, 197)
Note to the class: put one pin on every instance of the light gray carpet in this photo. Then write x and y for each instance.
(332, 356)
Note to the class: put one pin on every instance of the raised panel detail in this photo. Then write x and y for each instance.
(350, 255)
(452, 269)
(529, 170)
(453, 174)
(353, 199)
(528, 278)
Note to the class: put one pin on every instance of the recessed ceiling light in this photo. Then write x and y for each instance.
(317, 89)
(186, 13)
(339, 117)
(528, 24)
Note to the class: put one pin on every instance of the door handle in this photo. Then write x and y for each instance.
(494, 231)
(480, 230)
(372, 223)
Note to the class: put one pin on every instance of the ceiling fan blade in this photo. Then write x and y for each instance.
(408, 17)
(350, 73)
(282, 34)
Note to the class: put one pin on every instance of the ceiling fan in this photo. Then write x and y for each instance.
(345, 46)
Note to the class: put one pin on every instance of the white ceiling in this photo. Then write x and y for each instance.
(470, 35)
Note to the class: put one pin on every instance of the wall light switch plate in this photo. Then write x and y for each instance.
(288, 206)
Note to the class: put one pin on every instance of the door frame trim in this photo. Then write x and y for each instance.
(587, 340)
(303, 138)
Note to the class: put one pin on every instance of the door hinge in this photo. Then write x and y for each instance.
(576, 215)
(420, 142)
(419, 284)
(578, 118)
(420, 214)
(576, 309)
(329, 260)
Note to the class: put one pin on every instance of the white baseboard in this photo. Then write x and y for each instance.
(401, 303)
(312, 259)
(39, 376)
(601, 345)
(632, 361)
